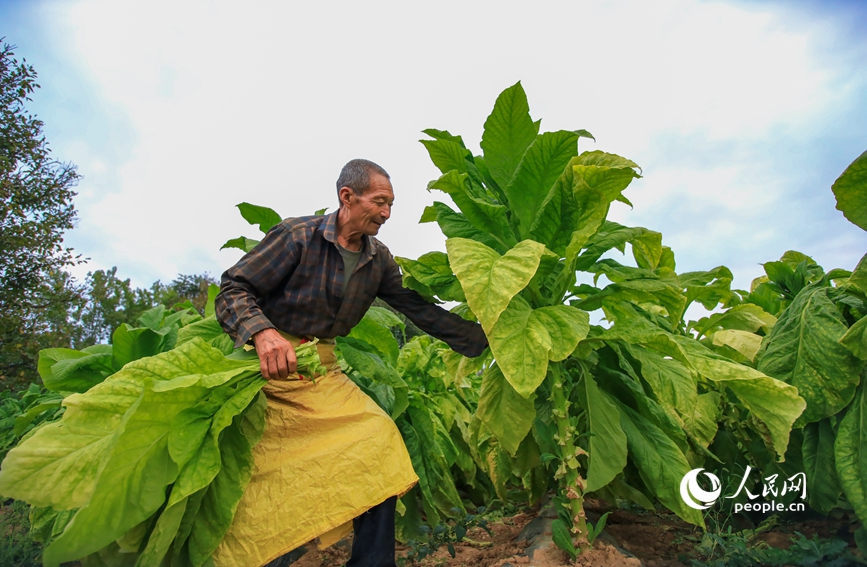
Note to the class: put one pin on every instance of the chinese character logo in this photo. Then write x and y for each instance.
(693, 495)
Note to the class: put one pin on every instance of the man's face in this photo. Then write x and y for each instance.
(368, 212)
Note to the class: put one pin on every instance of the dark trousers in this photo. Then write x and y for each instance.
(373, 544)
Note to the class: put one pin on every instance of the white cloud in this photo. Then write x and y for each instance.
(257, 102)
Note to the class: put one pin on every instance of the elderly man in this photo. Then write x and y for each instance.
(329, 453)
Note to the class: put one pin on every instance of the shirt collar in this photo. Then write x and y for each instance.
(329, 233)
(329, 227)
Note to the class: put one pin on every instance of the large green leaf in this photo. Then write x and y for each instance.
(647, 249)
(386, 318)
(803, 350)
(708, 288)
(371, 332)
(164, 532)
(425, 482)
(507, 414)
(767, 295)
(129, 344)
(855, 339)
(660, 461)
(408, 521)
(598, 158)
(523, 340)
(153, 317)
(208, 515)
(371, 366)
(447, 155)
(859, 275)
(180, 550)
(482, 213)
(619, 273)
(745, 317)
(598, 179)
(194, 442)
(489, 280)
(617, 376)
(132, 484)
(541, 166)
(704, 277)
(57, 466)
(772, 401)
(456, 225)
(446, 445)
(775, 403)
(68, 370)
(433, 271)
(823, 486)
(444, 135)
(566, 326)
(641, 291)
(213, 292)
(442, 487)
(671, 382)
(223, 495)
(607, 441)
(744, 342)
(621, 488)
(701, 422)
(509, 131)
(609, 236)
(850, 453)
(579, 201)
(850, 189)
(264, 217)
(495, 460)
(210, 331)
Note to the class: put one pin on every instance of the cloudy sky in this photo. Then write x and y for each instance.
(741, 114)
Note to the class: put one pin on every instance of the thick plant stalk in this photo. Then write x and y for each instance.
(571, 481)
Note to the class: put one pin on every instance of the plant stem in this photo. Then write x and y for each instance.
(571, 482)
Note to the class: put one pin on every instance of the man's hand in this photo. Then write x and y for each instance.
(276, 354)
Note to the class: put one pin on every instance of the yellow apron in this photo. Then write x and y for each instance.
(329, 453)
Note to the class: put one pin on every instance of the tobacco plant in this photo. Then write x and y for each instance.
(623, 409)
(818, 344)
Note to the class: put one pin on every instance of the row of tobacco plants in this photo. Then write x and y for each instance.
(769, 381)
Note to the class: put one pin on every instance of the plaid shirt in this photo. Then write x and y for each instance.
(292, 281)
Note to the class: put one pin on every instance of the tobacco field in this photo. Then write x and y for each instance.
(596, 385)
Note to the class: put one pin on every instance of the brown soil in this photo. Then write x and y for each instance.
(649, 539)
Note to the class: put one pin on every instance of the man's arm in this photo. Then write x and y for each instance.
(465, 337)
(244, 284)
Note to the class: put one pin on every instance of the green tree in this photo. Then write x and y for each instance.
(36, 207)
(186, 287)
(106, 302)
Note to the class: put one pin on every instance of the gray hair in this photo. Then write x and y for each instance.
(356, 175)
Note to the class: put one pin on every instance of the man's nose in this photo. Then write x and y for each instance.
(385, 213)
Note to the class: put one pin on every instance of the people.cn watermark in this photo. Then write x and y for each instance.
(696, 497)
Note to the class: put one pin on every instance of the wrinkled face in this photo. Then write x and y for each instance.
(368, 212)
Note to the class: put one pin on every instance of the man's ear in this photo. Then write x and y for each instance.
(345, 195)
